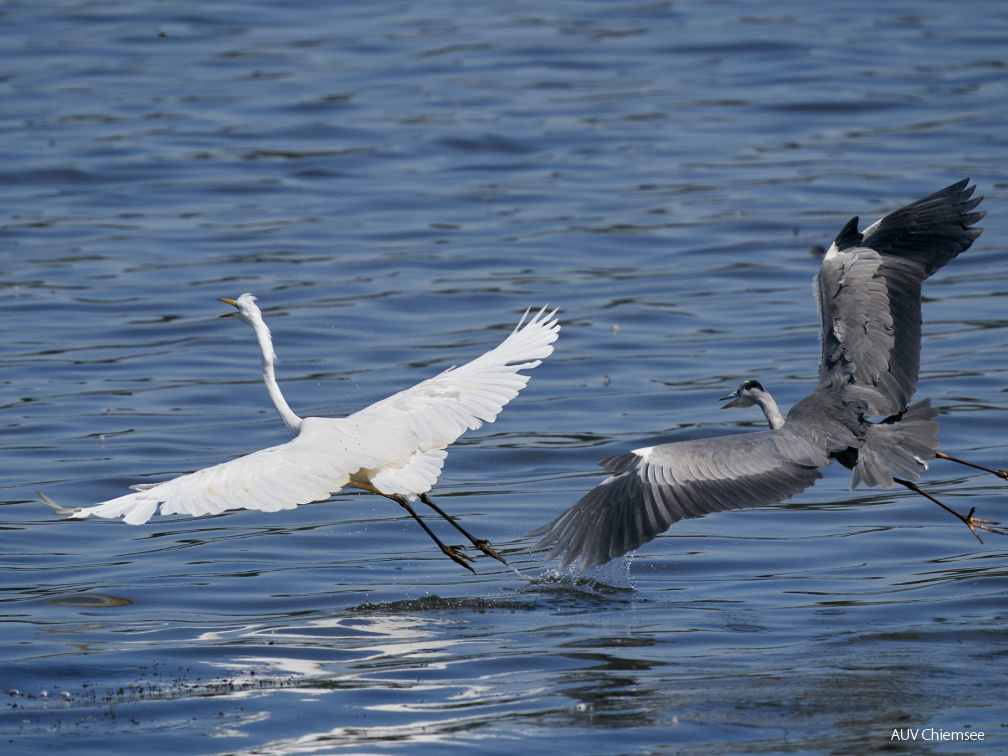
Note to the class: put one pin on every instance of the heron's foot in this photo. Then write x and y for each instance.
(484, 545)
(978, 522)
(455, 554)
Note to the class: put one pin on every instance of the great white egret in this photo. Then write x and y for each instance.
(869, 296)
(395, 447)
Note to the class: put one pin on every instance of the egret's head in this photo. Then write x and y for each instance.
(745, 395)
(246, 309)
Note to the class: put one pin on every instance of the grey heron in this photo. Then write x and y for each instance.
(395, 447)
(868, 292)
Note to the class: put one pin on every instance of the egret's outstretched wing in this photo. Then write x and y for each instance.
(869, 292)
(437, 411)
(310, 467)
(651, 488)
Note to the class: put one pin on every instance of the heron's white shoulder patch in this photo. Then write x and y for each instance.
(644, 453)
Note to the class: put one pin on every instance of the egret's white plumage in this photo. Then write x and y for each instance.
(395, 447)
(869, 296)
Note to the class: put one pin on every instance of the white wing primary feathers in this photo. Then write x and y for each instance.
(440, 409)
(280, 477)
(395, 446)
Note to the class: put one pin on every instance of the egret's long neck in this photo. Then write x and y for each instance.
(769, 407)
(292, 421)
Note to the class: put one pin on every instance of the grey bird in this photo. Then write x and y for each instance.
(869, 295)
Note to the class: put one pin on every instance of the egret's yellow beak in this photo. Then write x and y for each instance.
(230, 302)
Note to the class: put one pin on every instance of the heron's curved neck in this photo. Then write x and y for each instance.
(769, 407)
(292, 421)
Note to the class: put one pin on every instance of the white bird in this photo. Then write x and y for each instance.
(395, 447)
(869, 295)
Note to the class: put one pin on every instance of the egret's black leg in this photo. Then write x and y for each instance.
(480, 543)
(999, 473)
(971, 522)
(452, 552)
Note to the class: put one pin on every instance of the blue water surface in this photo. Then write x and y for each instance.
(398, 182)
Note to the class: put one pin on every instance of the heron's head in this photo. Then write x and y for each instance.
(745, 395)
(246, 309)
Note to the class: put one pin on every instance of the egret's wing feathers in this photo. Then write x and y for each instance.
(869, 292)
(417, 476)
(651, 488)
(280, 477)
(435, 412)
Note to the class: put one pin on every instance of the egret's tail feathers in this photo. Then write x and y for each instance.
(901, 446)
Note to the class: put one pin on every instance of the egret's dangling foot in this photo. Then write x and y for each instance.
(480, 543)
(452, 552)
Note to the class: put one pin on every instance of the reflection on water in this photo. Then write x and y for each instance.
(397, 188)
(90, 600)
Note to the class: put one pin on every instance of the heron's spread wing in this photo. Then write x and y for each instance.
(930, 232)
(396, 446)
(857, 331)
(651, 488)
(869, 292)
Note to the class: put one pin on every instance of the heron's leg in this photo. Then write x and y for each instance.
(480, 543)
(452, 552)
(971, 522)
(999, 473)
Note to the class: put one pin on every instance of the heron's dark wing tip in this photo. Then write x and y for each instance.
(849, 235)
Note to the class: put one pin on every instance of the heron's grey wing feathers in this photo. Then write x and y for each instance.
(869, 291)
(651, 488)
(931, 231)
(857, 324)
(903, 279)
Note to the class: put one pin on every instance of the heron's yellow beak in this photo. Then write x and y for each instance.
(230, 302)
(736, 399)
